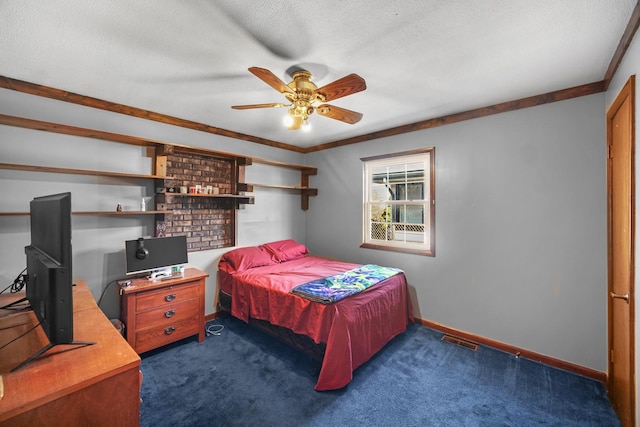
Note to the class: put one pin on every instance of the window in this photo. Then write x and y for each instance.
(399, 202)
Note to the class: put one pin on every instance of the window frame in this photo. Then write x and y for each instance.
(426, 156)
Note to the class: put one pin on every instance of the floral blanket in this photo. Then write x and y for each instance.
(334, 288)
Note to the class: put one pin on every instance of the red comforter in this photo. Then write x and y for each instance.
(354, 329)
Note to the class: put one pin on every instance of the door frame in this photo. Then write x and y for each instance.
(627, 91)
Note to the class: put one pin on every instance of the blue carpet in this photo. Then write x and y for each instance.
(242, 377)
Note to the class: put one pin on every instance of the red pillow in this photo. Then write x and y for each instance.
(286, 250)
(241, 259)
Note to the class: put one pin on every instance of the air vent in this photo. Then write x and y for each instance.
(459, 341)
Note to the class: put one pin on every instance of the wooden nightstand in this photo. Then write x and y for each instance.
(159, 312)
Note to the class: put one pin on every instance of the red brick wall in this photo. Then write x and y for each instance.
(208, 222)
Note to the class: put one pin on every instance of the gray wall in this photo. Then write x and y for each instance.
(520, 226)
(98, 241)
(521, 213)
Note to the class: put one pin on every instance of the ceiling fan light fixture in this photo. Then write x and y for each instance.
(306, 126)
(304, 97)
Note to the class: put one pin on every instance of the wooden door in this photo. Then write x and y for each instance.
(621, 213)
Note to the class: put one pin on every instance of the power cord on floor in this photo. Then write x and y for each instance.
(214, 330)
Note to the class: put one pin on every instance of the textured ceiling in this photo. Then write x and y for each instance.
(420, 58)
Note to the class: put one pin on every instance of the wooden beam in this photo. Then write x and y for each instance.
(623, 45)
(76, 131)
(87, 101)
(532, 101)
(560, 95)
(161, 146)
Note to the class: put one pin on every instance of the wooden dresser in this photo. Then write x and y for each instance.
(159, 312)
(97, 385)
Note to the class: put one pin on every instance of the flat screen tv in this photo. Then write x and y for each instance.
(49, 270)
(156, 257)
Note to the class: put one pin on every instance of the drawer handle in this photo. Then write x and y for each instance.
(169, 330)
(169, 313)
(170, 297)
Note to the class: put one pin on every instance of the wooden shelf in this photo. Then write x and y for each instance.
(161, 149)
(306, 169)
(305, 192)
(295, 188)
(239, 199)
(123, 213)
(218, 196)
(303, 189)
(49, 169)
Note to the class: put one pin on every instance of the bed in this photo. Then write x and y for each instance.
(255, 285)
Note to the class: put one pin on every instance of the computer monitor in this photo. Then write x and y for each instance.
(157, 257)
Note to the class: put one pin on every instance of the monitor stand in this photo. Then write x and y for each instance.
(165, 273)
(160, 273)
(77, 344)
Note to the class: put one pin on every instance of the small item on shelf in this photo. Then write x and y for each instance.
(161, 229)
(215, 190)
(184, 190)
(192, 190)
(145, 203)
(198, 189)
(209, 189)
(119, 208)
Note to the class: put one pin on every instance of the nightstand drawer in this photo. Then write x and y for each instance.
(165, 297)
(170, 313)
(157, 336)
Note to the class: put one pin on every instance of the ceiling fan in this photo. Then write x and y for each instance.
(305, 97)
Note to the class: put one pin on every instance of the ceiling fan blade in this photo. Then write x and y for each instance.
(269, 78)
(347, 85)
(338, 113)
(248, 107)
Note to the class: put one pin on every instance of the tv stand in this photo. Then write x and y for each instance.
(96, 385)
(46, 348)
